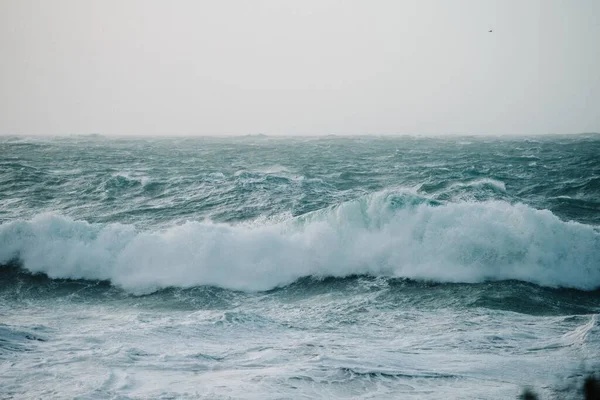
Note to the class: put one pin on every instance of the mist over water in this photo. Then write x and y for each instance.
(265, 267)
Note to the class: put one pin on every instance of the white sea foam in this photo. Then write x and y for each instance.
(386, 234)
(143, 179)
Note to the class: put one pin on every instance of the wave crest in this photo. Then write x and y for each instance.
(386, 234)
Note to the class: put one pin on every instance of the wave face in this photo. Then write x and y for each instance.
(390, 233)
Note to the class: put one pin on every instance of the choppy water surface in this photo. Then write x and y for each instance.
(271, 268)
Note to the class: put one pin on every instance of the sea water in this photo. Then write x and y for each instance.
(288, 268)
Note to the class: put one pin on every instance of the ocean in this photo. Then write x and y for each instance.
(299, 268)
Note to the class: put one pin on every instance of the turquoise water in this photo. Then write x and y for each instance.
(261, 267)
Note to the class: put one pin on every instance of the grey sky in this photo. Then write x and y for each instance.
(299, 67)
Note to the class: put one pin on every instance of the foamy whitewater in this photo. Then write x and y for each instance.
(272, 268)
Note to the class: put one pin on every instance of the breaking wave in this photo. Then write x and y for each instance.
(385, 234)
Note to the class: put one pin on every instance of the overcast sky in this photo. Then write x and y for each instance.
(299, 67)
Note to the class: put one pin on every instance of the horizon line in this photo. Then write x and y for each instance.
(283, 135)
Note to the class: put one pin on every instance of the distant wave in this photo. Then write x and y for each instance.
(496, 184)
(466, 188)
(119, 177)
(385, 234)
